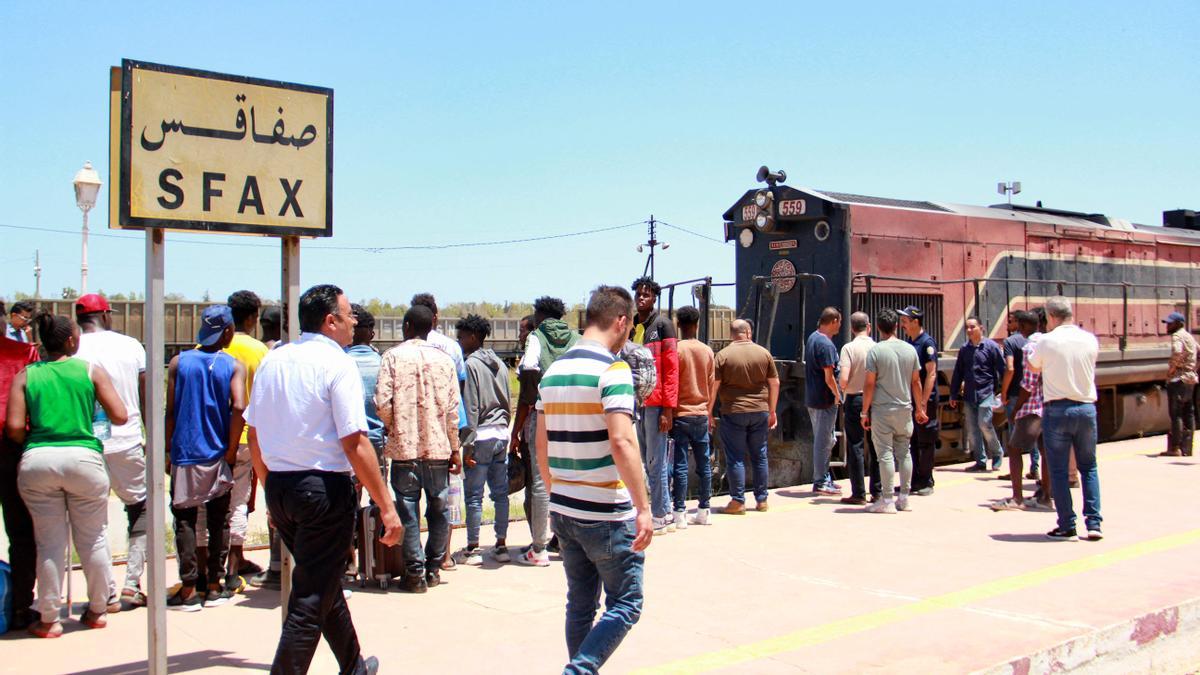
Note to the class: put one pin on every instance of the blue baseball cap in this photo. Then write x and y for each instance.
(1174, 317)
(912, 312)
(212, 323)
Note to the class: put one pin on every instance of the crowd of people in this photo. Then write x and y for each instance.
(607, 426)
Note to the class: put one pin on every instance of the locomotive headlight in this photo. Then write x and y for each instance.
(764, 222)
(763, 198)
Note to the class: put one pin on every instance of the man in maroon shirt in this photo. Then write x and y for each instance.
(22, 553)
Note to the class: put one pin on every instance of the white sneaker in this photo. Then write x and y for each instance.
(681, 520)
(902, 503)
(534, 559)
(472, 556)
(701, 517)
(881, 506)
(663, 525)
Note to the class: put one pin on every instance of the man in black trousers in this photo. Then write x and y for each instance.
(308, 432)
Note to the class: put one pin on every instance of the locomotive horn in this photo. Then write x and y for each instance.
(769, 177)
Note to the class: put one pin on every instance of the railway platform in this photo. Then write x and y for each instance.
(809, 586)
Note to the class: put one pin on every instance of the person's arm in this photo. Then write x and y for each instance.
(107, 397)
(385, 385)
(713, 384)
(844, 366)
(668, 362)
(868, 398)
(831, 382)
(169, 426)
(362, 458)
(1176, 356)
(772, 401)
(1009, 362)
(237, 409)
(471, 402)
(14, 416)
(526, 398)
(930, 382)
(998, 367)
(921, 417)
(260, 467)
(451, 416)
(956, 380)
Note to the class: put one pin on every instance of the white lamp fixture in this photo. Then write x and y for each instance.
(87, 186)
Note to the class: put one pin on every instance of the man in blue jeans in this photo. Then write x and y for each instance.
(485, 436)
(978, 374)
(588, 455)
(748, 386)
(1066, 357)
(823, 396)
(693, 417)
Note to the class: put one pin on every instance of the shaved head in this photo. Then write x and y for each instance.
(739, 327)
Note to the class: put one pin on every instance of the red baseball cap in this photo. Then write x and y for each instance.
(90, 304)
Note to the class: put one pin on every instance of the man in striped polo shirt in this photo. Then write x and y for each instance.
(588, 455)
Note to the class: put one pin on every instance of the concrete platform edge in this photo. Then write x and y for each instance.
(1146, 644)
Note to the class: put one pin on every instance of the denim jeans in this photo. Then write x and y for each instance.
(891, 432)
(313, 512)
(1070, 426)
(598, 554)
(655, 457)
(537, 497)
(856, 440)
(491, 467)
(409, 480)
(744, 437)
(982, 441)
(823, 421)
(691, 432)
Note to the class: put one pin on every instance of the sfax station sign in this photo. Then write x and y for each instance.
(224, 153)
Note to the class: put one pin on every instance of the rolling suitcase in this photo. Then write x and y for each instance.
(376, 562)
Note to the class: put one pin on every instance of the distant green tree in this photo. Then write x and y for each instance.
(68, 293)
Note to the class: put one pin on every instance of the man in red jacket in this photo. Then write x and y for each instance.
(657, 333)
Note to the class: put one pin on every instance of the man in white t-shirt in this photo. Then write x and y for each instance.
(1066, 357)
(124, 359)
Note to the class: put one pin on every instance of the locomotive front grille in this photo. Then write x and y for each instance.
(930, 304)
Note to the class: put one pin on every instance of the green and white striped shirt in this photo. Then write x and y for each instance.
(576, 393)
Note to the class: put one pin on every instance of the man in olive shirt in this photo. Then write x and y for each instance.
(748, 387)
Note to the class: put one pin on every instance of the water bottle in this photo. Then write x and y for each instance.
(101, 425)
(454, 500)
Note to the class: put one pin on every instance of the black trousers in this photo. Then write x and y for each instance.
(313, 512)
(1181, 407)
(22, 552)
(216, 513)
(855, 444)
(924, 444)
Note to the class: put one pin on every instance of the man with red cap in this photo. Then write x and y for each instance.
(124, 359)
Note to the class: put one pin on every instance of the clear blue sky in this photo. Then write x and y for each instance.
(468, 122)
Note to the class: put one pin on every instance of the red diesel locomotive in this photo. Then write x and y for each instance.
(800, 250)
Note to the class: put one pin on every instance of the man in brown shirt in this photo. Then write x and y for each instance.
(748, 386)
(692, 418)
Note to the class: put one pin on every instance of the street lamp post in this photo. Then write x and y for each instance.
(87, 186)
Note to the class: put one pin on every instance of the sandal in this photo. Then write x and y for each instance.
(133, 597)
(46, 630)
(92, 620)
(1007, 504)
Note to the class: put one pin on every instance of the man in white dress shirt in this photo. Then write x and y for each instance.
(308, 432)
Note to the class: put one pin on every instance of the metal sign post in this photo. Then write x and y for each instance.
(290, 296)
(156, 455)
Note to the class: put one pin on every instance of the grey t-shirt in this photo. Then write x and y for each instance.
(893, 361)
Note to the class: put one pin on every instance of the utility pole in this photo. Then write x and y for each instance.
(37, 273)
(653, 243)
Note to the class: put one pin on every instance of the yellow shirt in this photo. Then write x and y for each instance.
(250, 352)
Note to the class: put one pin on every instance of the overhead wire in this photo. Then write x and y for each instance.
(368, 249)
(691, 232)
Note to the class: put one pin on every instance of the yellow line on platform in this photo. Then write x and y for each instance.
(815, 635)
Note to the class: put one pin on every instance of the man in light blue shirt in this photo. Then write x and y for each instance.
(20, 321)
(367, 358)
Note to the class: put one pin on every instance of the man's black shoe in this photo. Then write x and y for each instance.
(268, 580)
(432, 578)
(414, 584)
(1062, 534)
(852, 500)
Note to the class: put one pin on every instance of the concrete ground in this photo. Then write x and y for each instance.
(810, 586)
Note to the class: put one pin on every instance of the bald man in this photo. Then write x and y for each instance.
(747, 386)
